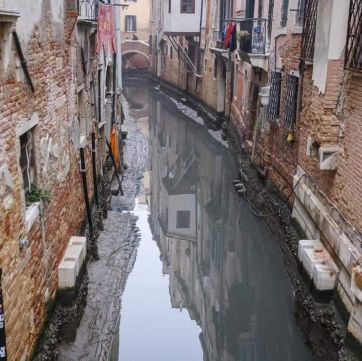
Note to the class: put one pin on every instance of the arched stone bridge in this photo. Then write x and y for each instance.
(135, 53)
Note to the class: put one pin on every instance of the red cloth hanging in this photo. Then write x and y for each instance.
(106, 34)
(228, 34)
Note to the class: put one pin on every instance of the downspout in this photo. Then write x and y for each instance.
(2, 329)
(114, 88)
(118, 42)
(85, 189)
(94, 168)
(23, 61)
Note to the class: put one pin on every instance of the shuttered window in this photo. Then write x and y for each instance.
(274, 101)
(291, 101)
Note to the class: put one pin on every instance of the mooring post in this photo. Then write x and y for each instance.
(85, 189)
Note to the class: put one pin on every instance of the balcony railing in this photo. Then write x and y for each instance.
(252, 35)
(88, 9)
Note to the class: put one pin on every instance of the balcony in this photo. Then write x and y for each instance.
(87, 11)
(182, 17)
(253, 41)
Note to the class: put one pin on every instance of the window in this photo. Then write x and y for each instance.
(309, 29)
(169, 6)
(235, 83)
(215, 67)
(284, 14)
(354, 36)
(82, 107)
(274, 101)
(27, 160)
(183, 219)
(171, 52)
(187, 6)
(299, 16)
(291, 101)
(130, 23)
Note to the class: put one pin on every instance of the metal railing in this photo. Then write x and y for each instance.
(88, 9)
(309, 29)
(252, 35)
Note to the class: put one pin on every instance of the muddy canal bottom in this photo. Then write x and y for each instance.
(208, 282)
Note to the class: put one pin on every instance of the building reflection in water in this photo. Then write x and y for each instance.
(224, 267)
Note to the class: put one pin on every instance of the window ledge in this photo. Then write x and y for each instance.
(31, 214)
(8, 16)
(281, 31)
(297, 29)
(101, 125)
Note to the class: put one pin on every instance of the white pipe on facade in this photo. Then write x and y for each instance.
(118, 9)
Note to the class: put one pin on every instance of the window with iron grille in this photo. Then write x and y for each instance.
(284, 13)
(309, 29)
(291, 101)
(274, 99)
(187, 6)
(354, 36)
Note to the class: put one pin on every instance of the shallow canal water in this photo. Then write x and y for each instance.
(209, 281)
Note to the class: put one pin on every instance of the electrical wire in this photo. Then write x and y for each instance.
(252, 207)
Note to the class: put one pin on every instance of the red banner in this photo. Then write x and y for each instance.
(106, 34)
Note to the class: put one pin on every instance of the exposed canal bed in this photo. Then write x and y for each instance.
(210, 258)
(187, 268)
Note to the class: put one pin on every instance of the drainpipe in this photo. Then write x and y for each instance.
(94, 168)
(23, 61)
(85, 189)
(118, 7)
(3, 353)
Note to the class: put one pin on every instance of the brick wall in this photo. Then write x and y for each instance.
(335, 118)
(30, 275)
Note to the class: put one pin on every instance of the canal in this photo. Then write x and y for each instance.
(209, 281)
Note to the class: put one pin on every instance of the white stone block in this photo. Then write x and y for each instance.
(356, 282)
(324, 276)
(80, 242)
(67, 273)
(318, 264)
(75, 253)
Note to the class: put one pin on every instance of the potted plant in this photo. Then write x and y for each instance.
(243, 37)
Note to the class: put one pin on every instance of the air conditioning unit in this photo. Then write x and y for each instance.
(328, 157)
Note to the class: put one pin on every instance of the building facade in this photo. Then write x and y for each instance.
(286, 76)
(56, 91)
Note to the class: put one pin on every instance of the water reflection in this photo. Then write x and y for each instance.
(223, 264)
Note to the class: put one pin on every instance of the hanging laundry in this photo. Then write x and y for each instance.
(228, 35)
(233, 41)
(106, 35)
